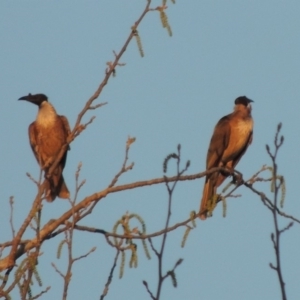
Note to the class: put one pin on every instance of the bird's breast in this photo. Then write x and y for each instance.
(243, 128)
(239, 137)
(50, 139)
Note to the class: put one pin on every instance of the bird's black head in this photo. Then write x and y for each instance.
(37, 99)
(243, 100)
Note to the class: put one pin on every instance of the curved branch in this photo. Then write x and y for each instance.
(48, 231)
(52, 225)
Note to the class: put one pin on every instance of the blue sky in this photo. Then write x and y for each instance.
(175, 94)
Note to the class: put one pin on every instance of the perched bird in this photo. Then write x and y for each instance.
(47, 134)
(229, 142)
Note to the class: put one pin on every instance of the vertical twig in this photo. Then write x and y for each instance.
(11, 203)
(275, 237)
(110, 277)
(159, 254)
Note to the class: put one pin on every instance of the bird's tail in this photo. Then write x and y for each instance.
(49, 193)
(208, 191)
(221, 178)
(56, 187)
(62, 190)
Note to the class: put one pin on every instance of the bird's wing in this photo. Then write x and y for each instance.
(33, 141)
(218, 143)
(66, 125)
(67, 131)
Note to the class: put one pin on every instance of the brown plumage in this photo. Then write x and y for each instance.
(230, 140)
(47, 134)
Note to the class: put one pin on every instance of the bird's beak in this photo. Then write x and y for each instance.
(27, 98)
(23, 98)
(249, 104)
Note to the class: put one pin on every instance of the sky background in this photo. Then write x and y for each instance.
(175, 94)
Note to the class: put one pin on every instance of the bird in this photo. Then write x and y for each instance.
(231, 137)
(47, 134)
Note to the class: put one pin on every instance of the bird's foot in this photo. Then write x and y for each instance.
(237, 179)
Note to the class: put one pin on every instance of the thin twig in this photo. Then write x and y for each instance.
(41, 293)
(145, 283)
(110, 277)
(152, 246)
(275, 237)
(57, 270)
(170, 189)
(11, 202)
(124, 168)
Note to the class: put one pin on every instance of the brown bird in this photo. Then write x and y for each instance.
(229, 142)
(47, 134)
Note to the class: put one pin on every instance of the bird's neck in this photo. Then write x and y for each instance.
(242, 111)
(46, 115)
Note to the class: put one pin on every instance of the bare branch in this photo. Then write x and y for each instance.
(48, 231)
(286, 227)
(11, 203)
(110, 277)
(275, 237)
(152, 247)
(145, 283)
(84, 255)
(57, 270)
(97, 106)
(32, 179)
(124, 168)
(41, 293)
